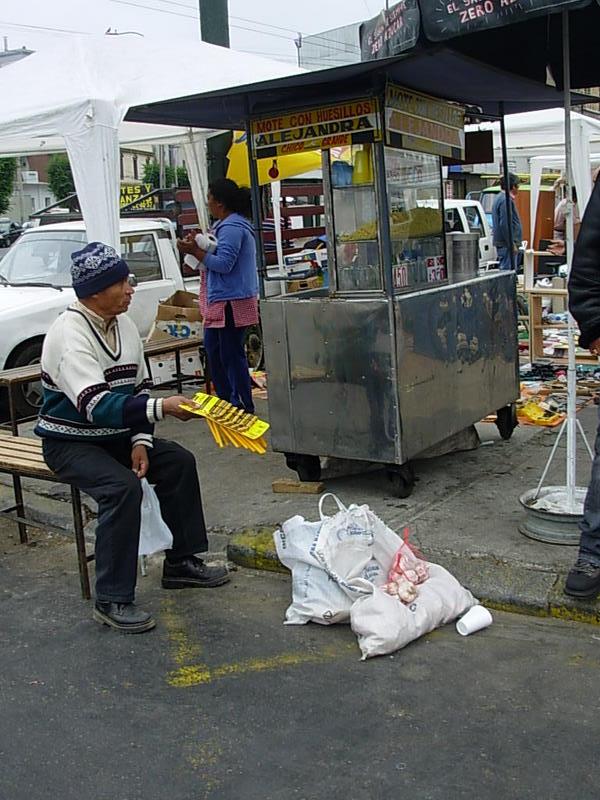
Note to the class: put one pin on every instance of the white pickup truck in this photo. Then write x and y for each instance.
(468, 216)
(35, 286)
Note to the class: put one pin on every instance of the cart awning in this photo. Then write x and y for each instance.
(441, 72)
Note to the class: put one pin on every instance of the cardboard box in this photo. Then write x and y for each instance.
(306, 283)
(163, 368)
(177, 317)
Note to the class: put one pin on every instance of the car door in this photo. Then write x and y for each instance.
(476, 224)
(141, 252)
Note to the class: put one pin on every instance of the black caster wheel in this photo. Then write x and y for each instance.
(402, 480)
(506, 421)
(307, 467)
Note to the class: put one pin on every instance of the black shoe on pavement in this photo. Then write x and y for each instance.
(124, 617)
(192, 572)
(583, 581)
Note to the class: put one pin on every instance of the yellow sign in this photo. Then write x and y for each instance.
(338, 125)
(132, 192)
(418, 122)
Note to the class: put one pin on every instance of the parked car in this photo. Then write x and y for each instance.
(9, 232)
(35, 286)
(468, 216)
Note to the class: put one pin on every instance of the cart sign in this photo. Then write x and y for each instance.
(339, 125)
(418, 122)
(390, 32)
(444, 19)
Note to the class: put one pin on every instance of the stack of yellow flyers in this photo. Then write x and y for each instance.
(230, 425)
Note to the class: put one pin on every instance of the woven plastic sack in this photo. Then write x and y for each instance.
(383, 624)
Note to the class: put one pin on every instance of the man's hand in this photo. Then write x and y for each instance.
(594, 347)
(139, 460)
(171, 407)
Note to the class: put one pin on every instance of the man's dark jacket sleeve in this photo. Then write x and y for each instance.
(584, 280)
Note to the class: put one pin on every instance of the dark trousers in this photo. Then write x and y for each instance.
(104, 472)
(227, 363)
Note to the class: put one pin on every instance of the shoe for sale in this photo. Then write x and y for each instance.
(583, 581)
(192, 572)
(123, 617)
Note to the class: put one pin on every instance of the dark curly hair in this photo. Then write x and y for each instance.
(235, 198)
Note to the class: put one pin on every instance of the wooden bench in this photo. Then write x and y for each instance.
(12, 379)
(23, 458)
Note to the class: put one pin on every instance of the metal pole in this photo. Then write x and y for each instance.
(571, 368)
(506, 174)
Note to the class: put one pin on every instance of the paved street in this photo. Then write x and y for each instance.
(221, 701)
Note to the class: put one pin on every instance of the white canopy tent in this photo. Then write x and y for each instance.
(542, 133)
(81, 94)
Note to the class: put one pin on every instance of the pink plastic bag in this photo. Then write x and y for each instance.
(406, 572)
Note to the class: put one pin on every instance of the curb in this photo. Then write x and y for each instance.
(502, 585)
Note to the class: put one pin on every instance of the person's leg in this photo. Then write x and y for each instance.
(503, 257)
(173, 473)
(233, 355)
(216, 367)
(101, 472)
(584, 579)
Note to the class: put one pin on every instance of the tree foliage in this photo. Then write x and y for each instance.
(60, 177)
(173, 177)
(8, 171)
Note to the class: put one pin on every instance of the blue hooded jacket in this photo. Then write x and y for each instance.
(231, 269)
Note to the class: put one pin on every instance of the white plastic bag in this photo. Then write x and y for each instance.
(154, 533)
(383, 624)
(331, 563)
(316, 597)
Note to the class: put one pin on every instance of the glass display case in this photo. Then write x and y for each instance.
(354, 205)
(414, 188)
(413, 183)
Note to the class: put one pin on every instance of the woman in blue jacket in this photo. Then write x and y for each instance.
(228, 290)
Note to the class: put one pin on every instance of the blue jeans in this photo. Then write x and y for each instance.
(504, 257)
(227, 363)
(589, 544)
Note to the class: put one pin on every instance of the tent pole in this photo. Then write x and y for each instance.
(506, 173)
(571, 368)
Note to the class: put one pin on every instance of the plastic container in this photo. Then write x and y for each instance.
(341, 174)
(363, 172)
(463, 263)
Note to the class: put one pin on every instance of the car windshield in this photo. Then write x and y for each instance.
(42, 258)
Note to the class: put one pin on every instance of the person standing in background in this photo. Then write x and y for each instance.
(228, 290)
(502, 238)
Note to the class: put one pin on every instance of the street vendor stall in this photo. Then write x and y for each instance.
(392, 358)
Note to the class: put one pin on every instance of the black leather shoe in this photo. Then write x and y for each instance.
(192, 572)
(583, 581)
(124, 617)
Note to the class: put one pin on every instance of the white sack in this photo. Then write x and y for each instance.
(316, 597)
(383, 624)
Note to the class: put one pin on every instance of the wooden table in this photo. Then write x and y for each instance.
(13, 378)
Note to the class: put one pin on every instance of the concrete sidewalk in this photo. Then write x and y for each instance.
(464, 512)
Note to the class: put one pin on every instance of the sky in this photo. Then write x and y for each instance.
(265, 27)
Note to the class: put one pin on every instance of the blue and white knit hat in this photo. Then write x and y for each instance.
(95, 268)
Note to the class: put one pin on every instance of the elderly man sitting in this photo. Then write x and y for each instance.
(97, 421)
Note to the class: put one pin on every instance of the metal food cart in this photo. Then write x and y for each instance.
(391, 358)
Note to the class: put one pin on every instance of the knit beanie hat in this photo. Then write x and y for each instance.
(95, 268)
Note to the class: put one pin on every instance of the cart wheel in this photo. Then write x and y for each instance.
(308, 468)
(291, 461)
(402, 480)
(506, 421)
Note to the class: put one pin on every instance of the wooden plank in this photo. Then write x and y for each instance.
(290, 486)
(170, 345)
(27, 470)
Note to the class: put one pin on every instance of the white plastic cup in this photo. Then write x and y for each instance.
(474, 620)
